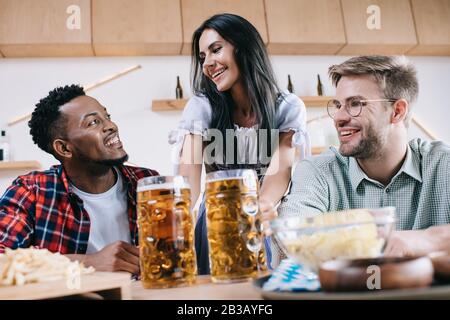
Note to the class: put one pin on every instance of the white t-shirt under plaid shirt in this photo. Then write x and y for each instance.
(420, 190)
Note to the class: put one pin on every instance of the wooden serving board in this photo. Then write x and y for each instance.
(110, 285)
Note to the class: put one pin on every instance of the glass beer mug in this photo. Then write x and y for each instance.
(236, 248)
(166, 232)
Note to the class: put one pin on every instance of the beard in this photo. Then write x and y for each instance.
(112, 162)
(103, 162)
(368, 148)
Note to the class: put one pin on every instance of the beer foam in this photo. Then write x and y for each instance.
(225, 179)
(166, 185)
(248, 183)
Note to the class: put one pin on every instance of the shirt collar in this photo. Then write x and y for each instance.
(411, 166)
(126, 174)
(356, 173)
(130, 182)
(62, 173)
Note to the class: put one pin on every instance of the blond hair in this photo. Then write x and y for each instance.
(396, 76)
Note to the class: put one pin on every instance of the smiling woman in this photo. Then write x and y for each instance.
(238, 117)
(217, 58)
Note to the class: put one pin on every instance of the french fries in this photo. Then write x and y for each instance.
(21, 266)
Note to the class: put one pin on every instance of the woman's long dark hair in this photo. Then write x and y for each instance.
(254, 66)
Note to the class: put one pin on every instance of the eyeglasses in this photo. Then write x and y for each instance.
(353, 106)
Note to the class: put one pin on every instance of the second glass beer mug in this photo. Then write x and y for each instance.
(236, 247)
(166, 232)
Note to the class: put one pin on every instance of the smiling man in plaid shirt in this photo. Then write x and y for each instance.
(85, 207)
(375, 165)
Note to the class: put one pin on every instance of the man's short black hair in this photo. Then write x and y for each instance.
(46, 120)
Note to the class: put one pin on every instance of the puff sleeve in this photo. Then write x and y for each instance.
(291, 116)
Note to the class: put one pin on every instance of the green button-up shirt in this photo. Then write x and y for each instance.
(420, 190)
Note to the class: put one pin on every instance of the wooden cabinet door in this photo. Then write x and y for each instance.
(432, 18)
(138, 27)
(194, 12)
(378, 27)
(304, 26)
(45, 28)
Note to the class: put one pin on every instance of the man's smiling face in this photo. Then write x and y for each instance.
(92, 135)
(365, 135)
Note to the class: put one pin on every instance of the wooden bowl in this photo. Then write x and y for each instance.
(379, 273)
(441, 265)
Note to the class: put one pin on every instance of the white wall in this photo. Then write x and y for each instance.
(144, 132)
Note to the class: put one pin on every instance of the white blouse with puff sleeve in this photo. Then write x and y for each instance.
(197, 116)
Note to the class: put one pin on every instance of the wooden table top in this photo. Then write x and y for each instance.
(204, 289)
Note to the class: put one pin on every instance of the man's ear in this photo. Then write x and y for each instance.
(400, 111)
(62, 148)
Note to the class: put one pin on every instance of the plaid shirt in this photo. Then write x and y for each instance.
(39, 209)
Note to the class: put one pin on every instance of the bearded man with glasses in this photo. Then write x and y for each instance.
(375, 165)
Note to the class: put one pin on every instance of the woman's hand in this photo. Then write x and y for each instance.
(190, 164)
(276, 180)
(268, 213)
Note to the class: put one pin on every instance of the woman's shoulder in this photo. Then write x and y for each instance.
(198, 100)
(289, 103)
(289, 100)
(198, 106)
(291, 112)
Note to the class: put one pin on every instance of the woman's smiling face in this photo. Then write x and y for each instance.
(218, 60)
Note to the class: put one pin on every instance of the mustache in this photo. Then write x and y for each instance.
(347, 124)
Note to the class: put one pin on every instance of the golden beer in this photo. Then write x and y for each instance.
(236, 247)
(166, 232)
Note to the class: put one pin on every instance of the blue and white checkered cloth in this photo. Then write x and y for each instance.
(290, 276)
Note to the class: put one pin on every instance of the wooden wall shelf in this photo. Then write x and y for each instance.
(316, 101)
(178, 104)
(19, 165)
(174, 104)
(318, 150)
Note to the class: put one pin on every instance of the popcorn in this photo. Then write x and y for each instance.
(341, 235)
